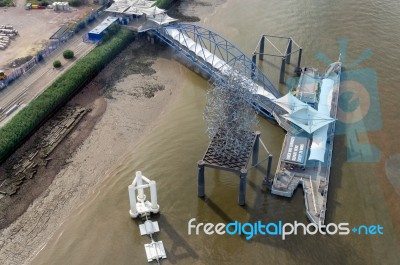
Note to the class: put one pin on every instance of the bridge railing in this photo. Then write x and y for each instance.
(206, 48)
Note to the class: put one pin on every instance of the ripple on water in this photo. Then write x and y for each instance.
(392, 168)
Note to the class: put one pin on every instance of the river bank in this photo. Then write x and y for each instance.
(98, 229)
(124, 105)
(125, 99)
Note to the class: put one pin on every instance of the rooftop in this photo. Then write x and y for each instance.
(104, 25)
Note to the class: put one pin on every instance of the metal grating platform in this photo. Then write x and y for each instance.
(229, 162)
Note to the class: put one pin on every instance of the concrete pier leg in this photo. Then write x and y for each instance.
(200, 179)
(289, 51)
(269, 166)
(256, 148)
(299, 59)
(242, 188)
(262, 42)
(282, 74)
(253, 65)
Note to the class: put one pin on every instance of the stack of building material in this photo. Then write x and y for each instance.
(61, 6)
(7, 32)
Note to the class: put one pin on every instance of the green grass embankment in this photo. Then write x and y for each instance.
(25, 122)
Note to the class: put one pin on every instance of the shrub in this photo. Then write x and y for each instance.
(68, 54)
(75, 3)
(57, 64)
(43, 3)
(6, 3)
(164, 3)
(16, 131)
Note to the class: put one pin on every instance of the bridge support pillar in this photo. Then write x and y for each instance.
(282, 73)
(253, 65)
(299, 59)
(269, 166)
(289, 51)
(267, 182)
(262, 42)
(200, 179)
(242, 188)
(256, 148)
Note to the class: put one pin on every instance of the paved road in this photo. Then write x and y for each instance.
(41, 76)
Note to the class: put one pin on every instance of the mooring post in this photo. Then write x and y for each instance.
(269, 166)
(153, 195)
(262, 48)
(200, 179)
(253, 65)
(289, 51)
(299, 59)
(242, 188)
(141, 195)
(256, 148)
(132, 201)
(282, 74)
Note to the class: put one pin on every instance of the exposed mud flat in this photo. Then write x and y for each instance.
(125, 100)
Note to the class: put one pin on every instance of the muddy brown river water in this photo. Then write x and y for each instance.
(364, 186)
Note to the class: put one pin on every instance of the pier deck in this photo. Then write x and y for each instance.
(314, 175)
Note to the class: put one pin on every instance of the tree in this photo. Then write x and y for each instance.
(68, 54)
(57, 64)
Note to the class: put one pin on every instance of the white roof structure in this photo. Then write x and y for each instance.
(162, 19)
(308, 119)
(325, 97)
(118, 7)
(152, 11)
(133, 10)
(139, 8)
(290, 103)
(318, 145)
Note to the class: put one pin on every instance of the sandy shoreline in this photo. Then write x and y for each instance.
(123, 118)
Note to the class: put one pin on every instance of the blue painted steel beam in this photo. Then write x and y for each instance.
(221, 48)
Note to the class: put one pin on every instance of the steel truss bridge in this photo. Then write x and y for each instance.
(216, 56)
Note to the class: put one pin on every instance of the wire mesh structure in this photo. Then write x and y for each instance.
(229, 116)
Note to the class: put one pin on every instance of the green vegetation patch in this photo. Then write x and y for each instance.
(75, 3)
(164, 4)
(68, 54)
(6, 3)
(21, 126)
(57, 64)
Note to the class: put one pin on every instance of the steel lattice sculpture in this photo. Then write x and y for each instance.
(229, 116)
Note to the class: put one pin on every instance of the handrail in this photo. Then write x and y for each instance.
(219, 47)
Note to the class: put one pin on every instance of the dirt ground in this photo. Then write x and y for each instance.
(35, 27)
